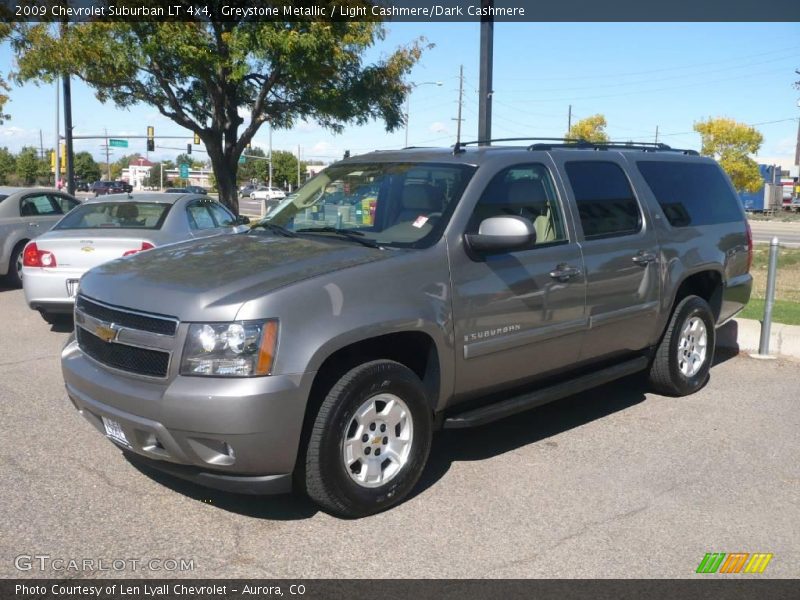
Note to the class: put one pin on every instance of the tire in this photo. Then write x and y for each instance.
(683, 358)
(14, 276)
(339, 432)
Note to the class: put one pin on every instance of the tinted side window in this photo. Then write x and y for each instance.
(691, 194)
(523, 191)
(221, 215)
(606, 204)
(34, 206)
(64, 204)
(199, 217)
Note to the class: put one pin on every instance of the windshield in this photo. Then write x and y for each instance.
(121, 215)
(394, 204)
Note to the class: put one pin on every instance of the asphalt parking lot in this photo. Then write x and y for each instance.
(616, 482)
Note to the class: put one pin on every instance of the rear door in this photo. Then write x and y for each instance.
(521, 314)
(621, 257)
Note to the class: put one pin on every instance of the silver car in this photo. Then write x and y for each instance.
(24, 214)
(111, 227)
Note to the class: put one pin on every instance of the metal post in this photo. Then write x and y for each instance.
(408, 105)
(569, 119)
(460, 102)
(298, 165)
(485, 83)
(68, 135)
(769, 300)
(57, 149)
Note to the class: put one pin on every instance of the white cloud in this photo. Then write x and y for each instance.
(438, 127)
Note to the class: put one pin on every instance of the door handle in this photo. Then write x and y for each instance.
(644, 258)
(33, 224)
(564, 272)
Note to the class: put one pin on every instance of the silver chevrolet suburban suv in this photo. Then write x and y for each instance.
(400, 292)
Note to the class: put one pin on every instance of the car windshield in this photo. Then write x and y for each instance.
(116, 215)
(391, 204)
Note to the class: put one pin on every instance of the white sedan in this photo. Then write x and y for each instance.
(265, 192)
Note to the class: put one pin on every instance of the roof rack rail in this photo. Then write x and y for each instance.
(459, 146)
(579, 144)
(586, 145)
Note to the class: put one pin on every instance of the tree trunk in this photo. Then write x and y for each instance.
(225, 168)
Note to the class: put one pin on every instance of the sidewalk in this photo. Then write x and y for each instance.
(745, 335)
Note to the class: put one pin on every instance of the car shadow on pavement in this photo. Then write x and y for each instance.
(284, 507)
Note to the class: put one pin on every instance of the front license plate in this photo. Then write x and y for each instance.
(114, 431)
(72, 287)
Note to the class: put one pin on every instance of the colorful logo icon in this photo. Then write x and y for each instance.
(736, 562)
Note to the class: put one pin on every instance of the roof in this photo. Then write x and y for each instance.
(8, 190)
(140, 162)
(162, 197)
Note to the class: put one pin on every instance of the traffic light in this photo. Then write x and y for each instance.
(151, 142)
(188, 148)
(197, 139)
(63, 158)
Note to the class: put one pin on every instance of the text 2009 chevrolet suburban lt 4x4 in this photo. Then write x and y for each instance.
(399, 292)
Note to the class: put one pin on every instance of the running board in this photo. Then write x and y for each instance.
(517, 404)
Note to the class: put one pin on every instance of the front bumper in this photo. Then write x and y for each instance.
(240, 435)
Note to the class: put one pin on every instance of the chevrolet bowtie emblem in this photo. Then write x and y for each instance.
(87, 249)
(105, 333)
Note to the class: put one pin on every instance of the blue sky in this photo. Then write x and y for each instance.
(639, 75)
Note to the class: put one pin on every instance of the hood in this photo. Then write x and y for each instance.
(209, 279)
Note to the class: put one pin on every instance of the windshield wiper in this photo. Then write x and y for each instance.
(350, 234)
(275, 229)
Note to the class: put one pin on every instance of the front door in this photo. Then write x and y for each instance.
(518, 315)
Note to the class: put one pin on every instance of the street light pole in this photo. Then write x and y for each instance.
(411, 86)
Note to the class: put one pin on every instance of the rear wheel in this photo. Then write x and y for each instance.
(684, 356)
(14, 277)
(370, 440)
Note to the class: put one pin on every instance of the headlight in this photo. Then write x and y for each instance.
(240, 349)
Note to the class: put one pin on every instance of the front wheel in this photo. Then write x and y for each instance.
(684, 356)
(370, 440)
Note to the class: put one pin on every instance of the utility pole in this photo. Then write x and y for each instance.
(460, 102)
(68, 135)
(108, 161)
(656, 134)
(485, 83)
(797, 146)
(57, 149)
(270, 156)
(298, 165)
(41, 145)
(569, 119)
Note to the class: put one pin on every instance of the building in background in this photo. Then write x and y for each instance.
(137, 173)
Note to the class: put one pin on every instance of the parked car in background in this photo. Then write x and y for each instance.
(82, 186)
(113, 227)
(246, 190)
(265, 192)
(101, 188)
(402, 292)
(24, 214)
(121, 187)
(196, 189)
(176, 191)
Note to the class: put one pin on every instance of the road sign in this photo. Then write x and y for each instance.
(242, 159)
(118, 143)
(184, 171)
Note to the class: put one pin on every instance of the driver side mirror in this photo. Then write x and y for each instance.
(502, 234)
(242, 220)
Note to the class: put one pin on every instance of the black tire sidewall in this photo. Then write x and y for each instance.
(15, 278)
(377, 378)
(693, 306)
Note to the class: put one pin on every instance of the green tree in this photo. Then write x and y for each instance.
(730, 143)
(5, 31)
(200, 74)
(591, 129)
(86, 169)
(184, 159)
(7, 165)
(28, 165)
(254, 168)
(154, 178)
(284, 168)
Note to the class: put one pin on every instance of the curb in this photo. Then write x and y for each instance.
(745, 335)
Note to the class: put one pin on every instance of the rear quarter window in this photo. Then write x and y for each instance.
(691, 194)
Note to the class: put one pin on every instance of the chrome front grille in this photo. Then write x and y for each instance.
(124, 339)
